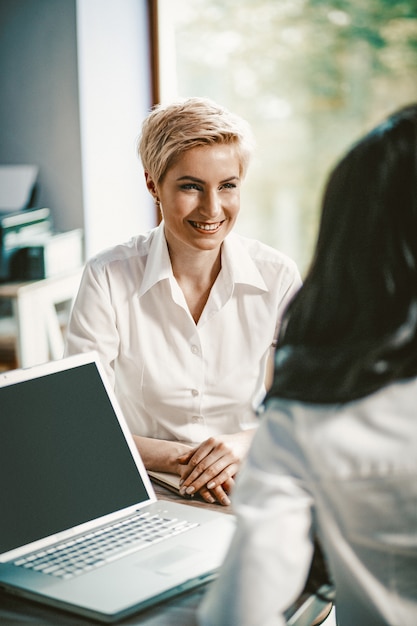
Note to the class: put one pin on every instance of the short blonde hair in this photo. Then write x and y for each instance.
(172, 129)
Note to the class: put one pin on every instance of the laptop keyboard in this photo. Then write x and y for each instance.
(77, 556)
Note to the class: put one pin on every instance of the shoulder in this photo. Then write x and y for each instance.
(261, 252)
(132, 252)
(266, 258)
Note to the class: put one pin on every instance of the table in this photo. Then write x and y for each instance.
(38, 328)
(180, 611)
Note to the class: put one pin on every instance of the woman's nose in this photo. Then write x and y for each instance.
(211, 206)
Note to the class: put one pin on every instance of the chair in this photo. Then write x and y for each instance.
(316, 601)
(40, 310)
(312, 609)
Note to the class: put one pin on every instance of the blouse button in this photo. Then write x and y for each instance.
(194, 392)
(195, 419)
(194, 349)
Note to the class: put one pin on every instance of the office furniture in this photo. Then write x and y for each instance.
(36, 315)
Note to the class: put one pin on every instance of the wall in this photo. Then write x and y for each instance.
(114, 97)
(39, 119)
(75, 87)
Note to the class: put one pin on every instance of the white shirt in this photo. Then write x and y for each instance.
(175, 379)
(347, 473)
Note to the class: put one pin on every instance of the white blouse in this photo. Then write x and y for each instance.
(347, 473)
(176, 379)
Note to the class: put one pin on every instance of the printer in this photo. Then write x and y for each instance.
(29, 248)
(19, 230)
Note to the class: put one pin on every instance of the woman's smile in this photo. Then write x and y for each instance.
(206, 227)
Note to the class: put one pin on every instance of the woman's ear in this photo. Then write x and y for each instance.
(151, 186)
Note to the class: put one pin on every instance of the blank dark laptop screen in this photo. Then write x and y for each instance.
(63, 457)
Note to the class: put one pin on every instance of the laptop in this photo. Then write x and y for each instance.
(71, 480)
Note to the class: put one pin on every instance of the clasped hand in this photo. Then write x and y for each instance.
(210, 468)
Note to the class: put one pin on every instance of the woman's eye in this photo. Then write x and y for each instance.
(229, 186)
(191, 186)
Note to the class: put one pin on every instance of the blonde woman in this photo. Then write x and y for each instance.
(184, 316)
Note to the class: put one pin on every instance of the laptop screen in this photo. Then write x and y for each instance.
(64, 459)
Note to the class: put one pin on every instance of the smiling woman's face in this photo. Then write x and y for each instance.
(200, 197)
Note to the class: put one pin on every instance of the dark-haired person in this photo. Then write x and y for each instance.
(336, 453)
(184, 316)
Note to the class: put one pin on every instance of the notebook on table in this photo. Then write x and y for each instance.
(80, 526)
(166, 479)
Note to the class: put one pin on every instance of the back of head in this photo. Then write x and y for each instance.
(369, 212)
(352, 327)
(172, 129)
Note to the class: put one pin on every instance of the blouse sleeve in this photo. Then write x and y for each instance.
(92, 324)
(290, 289)
(268, 561)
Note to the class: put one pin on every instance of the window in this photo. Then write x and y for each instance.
(310, 76)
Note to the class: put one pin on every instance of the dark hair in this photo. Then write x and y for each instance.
(351, 329)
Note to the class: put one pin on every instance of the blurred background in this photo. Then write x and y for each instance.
(78, 77)
(309, 75)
